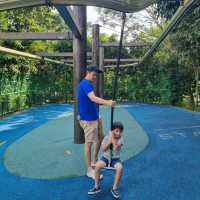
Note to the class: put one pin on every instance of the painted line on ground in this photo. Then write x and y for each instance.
(169, 129)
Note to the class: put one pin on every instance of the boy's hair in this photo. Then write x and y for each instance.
(118, 125)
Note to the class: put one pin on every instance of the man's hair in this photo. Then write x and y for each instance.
(118, 125)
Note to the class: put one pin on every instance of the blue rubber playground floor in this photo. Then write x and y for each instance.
(38, 160)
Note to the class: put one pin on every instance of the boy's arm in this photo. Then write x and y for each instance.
(106, 144)
(105, 147)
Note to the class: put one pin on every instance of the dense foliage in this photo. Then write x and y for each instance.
(171, 76)
(25, 82)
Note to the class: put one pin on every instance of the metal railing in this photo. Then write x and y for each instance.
(18, 101)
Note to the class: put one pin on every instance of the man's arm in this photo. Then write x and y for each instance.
(100, 101)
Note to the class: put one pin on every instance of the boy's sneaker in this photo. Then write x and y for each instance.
(94, 191)
(115, 193)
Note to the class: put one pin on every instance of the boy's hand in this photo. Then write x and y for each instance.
(111, 138)
(118, 146)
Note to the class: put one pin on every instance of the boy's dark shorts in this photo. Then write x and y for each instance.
(114, 161)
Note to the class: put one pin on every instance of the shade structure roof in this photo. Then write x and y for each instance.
(120, 5)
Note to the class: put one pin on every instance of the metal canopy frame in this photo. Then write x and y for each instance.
(119, 5)
(67, 14)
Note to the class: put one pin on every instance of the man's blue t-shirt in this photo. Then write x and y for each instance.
(88, 110)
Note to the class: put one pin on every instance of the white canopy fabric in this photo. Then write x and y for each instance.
(120, 5)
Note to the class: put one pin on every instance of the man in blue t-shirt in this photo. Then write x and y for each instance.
(88, 108)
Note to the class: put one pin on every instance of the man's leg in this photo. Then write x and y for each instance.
(100, 138)
(88, 146)
(91, 137)
(88, 143)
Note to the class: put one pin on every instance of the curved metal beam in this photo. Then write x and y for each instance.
(35, 36)
(27, 55)
(174, 22)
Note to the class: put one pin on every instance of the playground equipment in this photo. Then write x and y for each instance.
(77, 22)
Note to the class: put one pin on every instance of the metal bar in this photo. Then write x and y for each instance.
(174, 22)
(122, 60)
(28, 55)
(105, 60)
(114, 44)
(122, 66)
(67, 61)
(60, 54)
(35, 36)
(68, 16)
(115, 83)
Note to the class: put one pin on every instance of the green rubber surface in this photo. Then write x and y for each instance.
(48, 152)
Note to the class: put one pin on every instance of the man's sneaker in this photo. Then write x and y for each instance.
(94, 191)
(91, 174)
(93, 164)
(115, 193)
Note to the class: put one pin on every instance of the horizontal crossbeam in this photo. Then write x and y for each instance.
(60, 54)
(114, 44)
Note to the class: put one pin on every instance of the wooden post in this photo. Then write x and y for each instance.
(101, 67)
(80, 57)
(197, 85)
(95, 52)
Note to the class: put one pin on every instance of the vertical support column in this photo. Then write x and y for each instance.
(101, 67)
(80, 57)
(95, 52)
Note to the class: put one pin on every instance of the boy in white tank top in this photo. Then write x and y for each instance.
(111, 147)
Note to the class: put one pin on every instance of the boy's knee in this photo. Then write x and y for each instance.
(98, 166)
(118, 167)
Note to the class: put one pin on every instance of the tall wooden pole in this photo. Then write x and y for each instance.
(80, 59)
(95, 52)
(101, 67)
